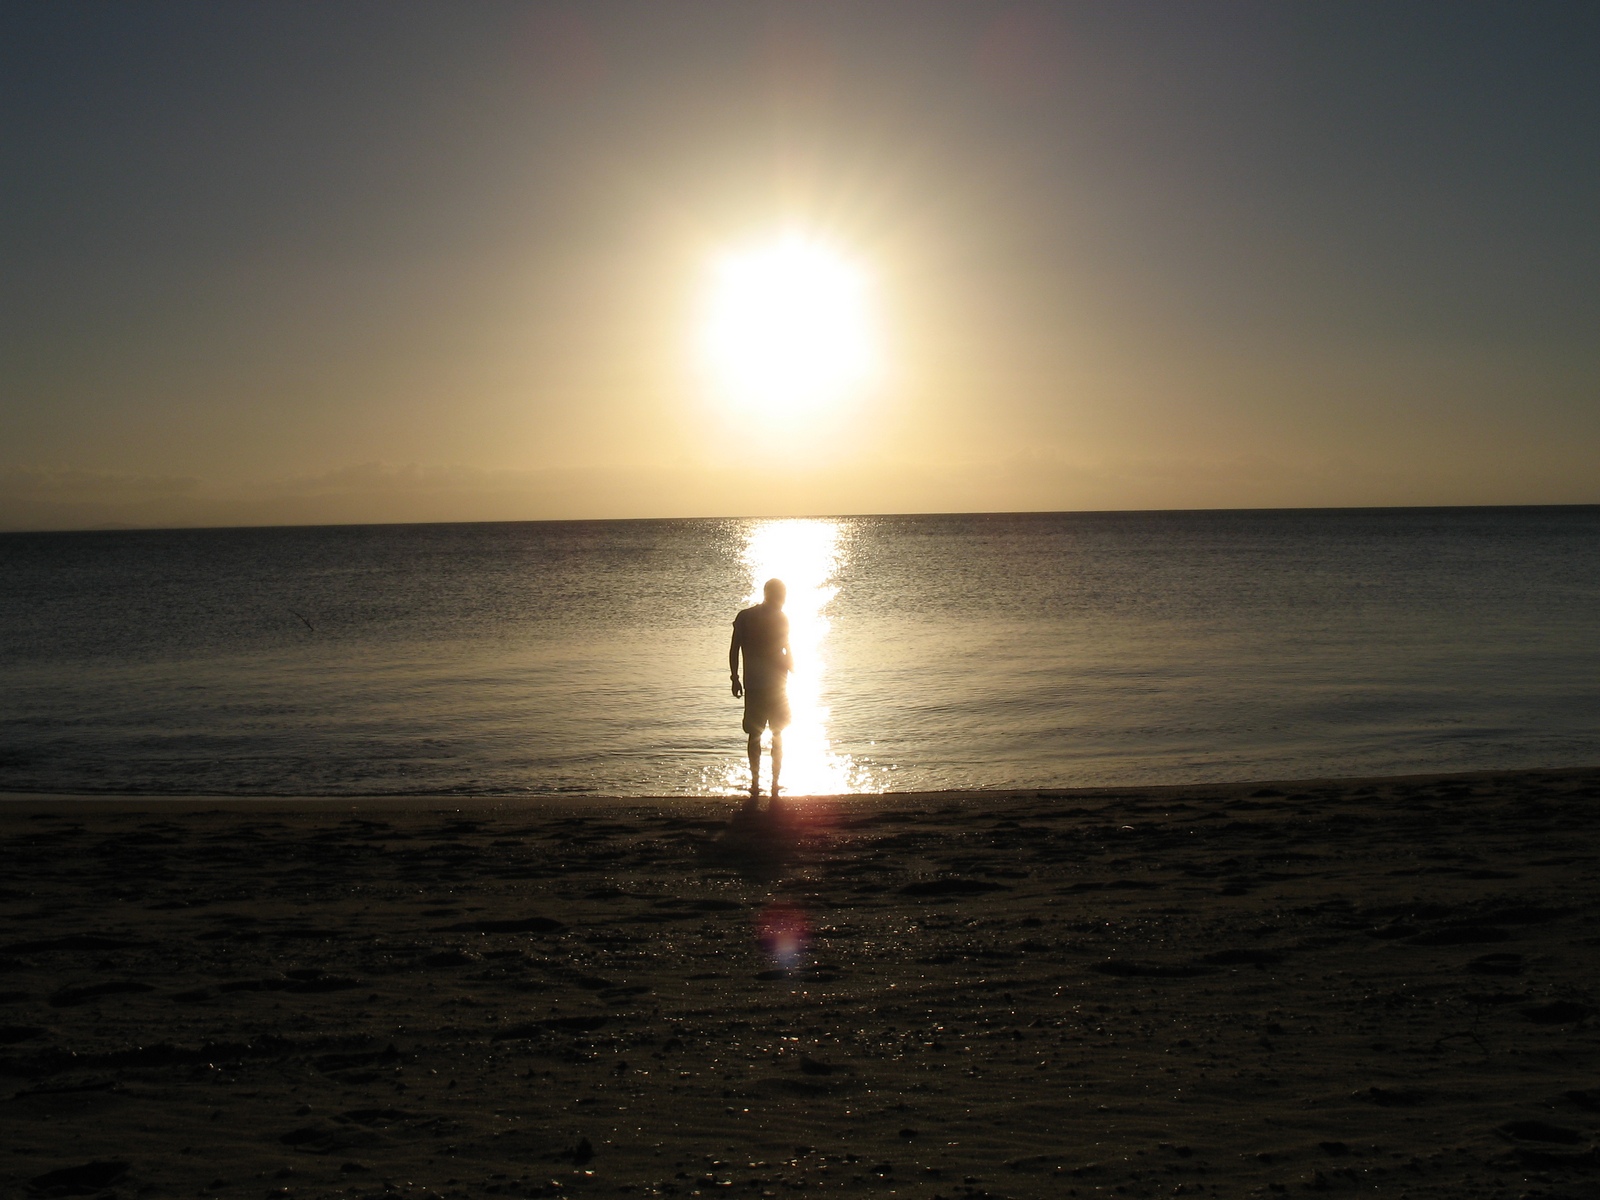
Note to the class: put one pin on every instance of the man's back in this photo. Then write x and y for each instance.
(762, 633)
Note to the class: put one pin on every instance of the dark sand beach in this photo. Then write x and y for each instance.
(1382, 986)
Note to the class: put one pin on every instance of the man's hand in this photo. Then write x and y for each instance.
(738, 688)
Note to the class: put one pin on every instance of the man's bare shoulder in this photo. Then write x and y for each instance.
(761, 621)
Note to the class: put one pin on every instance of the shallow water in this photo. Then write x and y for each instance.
(932, 652)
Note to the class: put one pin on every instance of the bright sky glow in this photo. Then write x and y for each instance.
(682, 259)
(789, 326)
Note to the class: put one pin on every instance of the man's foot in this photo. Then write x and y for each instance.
(755, 793)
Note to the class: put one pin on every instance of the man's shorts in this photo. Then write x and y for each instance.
(764, 707)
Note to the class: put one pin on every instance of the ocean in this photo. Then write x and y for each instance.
(932, 652)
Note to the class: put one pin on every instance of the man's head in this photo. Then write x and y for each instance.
(775, 592)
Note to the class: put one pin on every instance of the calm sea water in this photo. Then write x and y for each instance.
(934, 652)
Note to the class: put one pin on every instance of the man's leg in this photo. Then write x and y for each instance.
(777, 759)
(754, 747)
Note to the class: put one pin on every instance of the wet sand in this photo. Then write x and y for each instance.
(1384, 986)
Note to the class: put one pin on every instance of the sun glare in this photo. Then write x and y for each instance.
(788, 326)
(806, 555)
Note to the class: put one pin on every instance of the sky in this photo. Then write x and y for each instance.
(332, 261)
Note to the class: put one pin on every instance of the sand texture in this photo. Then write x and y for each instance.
(1386, 987)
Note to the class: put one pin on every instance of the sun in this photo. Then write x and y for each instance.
(788, 325)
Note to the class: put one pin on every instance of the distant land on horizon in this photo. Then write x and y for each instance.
(126, 527)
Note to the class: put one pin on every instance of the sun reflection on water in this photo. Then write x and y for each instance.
(807, 556)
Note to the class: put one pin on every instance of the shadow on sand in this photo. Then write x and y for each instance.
(761, 843)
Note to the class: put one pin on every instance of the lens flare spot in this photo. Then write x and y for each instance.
(784, 934)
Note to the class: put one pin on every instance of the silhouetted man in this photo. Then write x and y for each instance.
(761, 632)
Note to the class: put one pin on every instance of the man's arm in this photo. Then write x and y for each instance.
(733, 661)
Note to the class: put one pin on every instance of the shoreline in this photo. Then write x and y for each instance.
(579, 802)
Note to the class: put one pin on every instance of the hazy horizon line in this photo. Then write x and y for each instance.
(125, 527)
